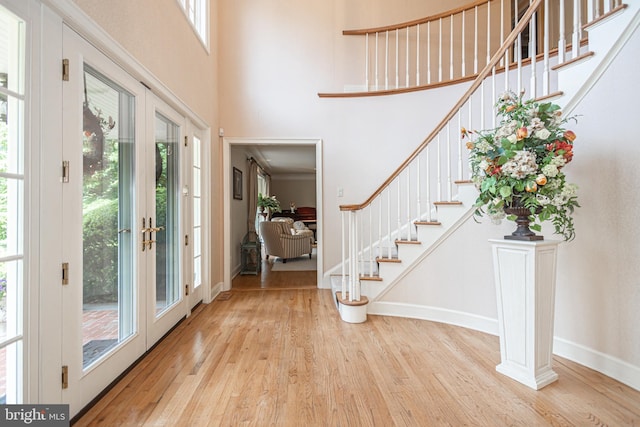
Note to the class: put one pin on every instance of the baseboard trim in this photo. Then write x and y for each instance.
(608, 365)
(435, 314)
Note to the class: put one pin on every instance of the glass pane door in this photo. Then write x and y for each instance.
(12, 196)
(167, 206)
(107, 215)
(197, 212)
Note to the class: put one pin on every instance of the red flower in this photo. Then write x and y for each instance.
(561, 148)
(494, 170)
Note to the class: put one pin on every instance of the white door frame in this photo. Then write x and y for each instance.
(227, 142)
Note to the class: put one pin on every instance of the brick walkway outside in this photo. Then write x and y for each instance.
(98, 324)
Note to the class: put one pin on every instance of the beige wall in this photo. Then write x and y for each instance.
(158, 35)
(299, 189)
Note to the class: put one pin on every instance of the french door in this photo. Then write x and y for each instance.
(122, 221)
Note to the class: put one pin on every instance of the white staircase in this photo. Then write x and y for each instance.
(397, 228)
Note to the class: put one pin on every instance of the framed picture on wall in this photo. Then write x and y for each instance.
(237, 184)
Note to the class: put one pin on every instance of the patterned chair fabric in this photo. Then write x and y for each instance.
(279, 241)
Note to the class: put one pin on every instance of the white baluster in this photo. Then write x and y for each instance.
(354, 294)
(519, 53)
(590, 9)
(546, 66)
(488, 32)
(506, 70)
(449, 181)
(451, 47)
(459, 147)
(389, 222)
(533, 49)
(502, 23)
(366, 60)
(606, 7)
(397, 58)
(440, 52)
(418, 190)
(370, 264)
(493, 95)
(406, 77)
(377, 63)
(562, 44)
(439, 170)
(577, 30)
(399, 213)
(409, 202)
(379, 228)
(464, 66)
(344, 260)
(428, 183)
(386, 61)
(428, 52)
(418, 55)
(475, 41)
(482, 111)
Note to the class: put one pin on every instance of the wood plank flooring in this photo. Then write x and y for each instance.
(284, 358)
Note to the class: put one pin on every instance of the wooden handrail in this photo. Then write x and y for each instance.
(416, 21)
(524, 21)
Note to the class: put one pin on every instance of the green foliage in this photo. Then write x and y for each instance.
(100, 258)
(269, 202)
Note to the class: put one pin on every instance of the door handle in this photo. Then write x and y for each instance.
(152, 230)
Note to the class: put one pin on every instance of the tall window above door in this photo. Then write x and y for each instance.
(197, 12)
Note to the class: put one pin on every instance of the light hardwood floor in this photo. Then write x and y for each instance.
(284, 358)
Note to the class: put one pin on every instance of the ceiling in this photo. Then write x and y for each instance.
(279, 159)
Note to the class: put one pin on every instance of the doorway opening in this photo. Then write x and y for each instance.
(236, 209)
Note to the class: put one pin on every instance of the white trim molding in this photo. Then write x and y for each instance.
(608, 365)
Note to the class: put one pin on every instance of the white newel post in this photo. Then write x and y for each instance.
(525, 277)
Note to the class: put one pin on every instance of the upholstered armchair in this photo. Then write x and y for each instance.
(279, 240)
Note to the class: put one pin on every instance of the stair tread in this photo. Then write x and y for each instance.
(408, 242)
(371, 278)
(452, 202)
(427, 223)
(388, 260)
(573, 60)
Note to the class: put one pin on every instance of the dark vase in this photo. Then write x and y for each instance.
(522, 213)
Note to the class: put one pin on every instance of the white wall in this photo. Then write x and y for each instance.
(598, 296)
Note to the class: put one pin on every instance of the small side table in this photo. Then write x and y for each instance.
(250, 254)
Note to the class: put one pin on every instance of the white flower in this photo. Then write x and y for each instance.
(521, 165)
(558, 161)
(543, 200)
(550, 170)
(483, 146)
(512, 138)
(542, 133)
(535, 125)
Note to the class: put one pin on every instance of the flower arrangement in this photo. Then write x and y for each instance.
(520, 164)
(3, 288)
(268, 202)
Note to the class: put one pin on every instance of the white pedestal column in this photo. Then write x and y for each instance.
(525, 277)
